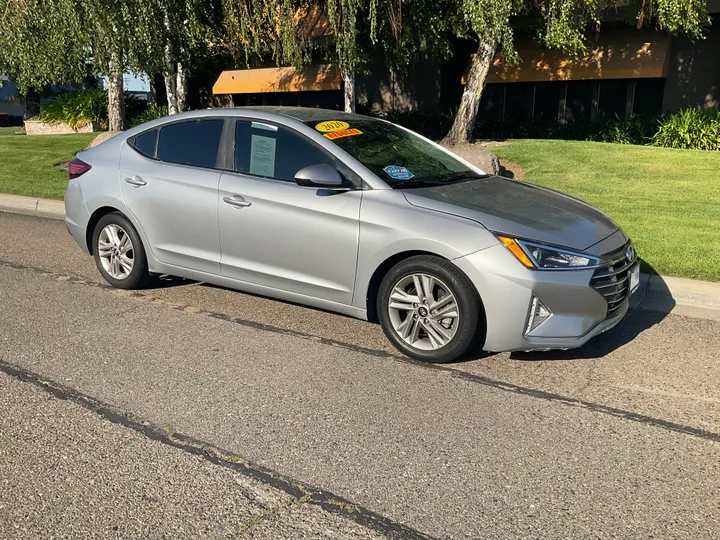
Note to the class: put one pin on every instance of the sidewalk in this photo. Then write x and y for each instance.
(32, 206)
(699, 299)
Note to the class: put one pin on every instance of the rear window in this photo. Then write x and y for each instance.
(193, 143)
(146, 143)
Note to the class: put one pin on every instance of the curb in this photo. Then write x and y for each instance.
(32, 206)
(689, 297)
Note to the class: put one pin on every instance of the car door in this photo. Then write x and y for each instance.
(277, 234)
(170, 180)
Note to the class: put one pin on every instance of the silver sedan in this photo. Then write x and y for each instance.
(354, 215)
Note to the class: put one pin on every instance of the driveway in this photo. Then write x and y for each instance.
(240, 395)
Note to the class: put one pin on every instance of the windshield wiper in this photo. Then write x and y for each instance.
(415, 183)
(469, 175)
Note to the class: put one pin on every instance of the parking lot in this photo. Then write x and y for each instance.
(188, 410)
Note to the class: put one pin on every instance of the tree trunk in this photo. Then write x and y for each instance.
(170, 82)
(349, 15)
(181, 87)
(116, 101)
(32, 104)
(462, 129)
(349, 84)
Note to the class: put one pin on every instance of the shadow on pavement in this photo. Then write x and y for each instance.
(632, 325)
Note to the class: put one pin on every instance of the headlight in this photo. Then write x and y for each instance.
(543, 257)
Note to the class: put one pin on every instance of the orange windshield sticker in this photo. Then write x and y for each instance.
(344, 133)
(332, 125)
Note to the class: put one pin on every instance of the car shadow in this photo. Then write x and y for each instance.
(636, 321)
(166, 282)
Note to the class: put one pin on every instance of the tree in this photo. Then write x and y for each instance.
(558, 24)
(47, 42)
(257, 29)
(168, 37)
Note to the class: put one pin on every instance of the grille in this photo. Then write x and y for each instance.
(613, 280)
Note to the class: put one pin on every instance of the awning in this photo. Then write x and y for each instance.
(282, 79)
(628, 54)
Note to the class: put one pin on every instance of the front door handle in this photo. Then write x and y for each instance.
(136, 181)
(236, 201)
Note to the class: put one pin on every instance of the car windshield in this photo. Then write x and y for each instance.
(400, 158)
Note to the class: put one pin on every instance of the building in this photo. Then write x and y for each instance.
(626, 71)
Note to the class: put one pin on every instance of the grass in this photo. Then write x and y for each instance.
(28, 164)
(667, 200)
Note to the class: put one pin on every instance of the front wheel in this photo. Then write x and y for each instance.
(429, 309)
(119, 253)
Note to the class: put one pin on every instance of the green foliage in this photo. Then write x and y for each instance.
(42, 42)
(77, 109)
(637, 129)
(152, 112)
(690, 129)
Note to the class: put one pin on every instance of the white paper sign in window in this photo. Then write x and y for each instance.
(262, 155)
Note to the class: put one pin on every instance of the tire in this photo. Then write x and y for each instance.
(415, 328)
(121, 276)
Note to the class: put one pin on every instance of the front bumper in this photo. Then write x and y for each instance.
(579, 312)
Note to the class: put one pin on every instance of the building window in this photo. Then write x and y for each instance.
(547, 101)
(613, 98)
(519, 99)
(578, 101)
(648, 98)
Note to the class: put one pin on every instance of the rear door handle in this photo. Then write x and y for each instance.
(136, 181)
(236, 201)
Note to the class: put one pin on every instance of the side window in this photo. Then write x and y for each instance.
(191, 143)
(266, 150)
(146, 143)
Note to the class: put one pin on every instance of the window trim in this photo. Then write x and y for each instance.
(220, 159)
(131, 142)
(353, 180)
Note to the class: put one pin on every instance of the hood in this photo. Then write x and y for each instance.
(519, 209)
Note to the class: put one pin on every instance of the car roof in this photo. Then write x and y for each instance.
(310, 114)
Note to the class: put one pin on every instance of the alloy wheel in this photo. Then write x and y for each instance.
(423, 311)
(116, 252)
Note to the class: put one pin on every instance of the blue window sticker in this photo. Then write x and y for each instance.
(398, 173)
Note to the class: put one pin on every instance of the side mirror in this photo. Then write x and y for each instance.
(319, 176)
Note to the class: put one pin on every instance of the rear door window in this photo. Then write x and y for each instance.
(194, 142)
(267, 150)
(146, 143)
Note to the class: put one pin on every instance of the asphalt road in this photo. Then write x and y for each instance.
(187, 410)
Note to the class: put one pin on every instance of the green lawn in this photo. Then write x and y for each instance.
(27, 164)
(668, 201)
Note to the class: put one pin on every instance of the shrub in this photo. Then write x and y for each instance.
(636, 129)
(690, 129)
(77, 109)
(150, 113)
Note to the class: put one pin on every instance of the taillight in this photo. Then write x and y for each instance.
(77, 168)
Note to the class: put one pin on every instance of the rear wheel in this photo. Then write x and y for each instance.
(429, 309)
(119, 253)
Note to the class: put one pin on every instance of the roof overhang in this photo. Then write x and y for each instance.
(618, 55)
(281, 79)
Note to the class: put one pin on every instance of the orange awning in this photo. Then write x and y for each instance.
(615, 55)
(282, 79)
